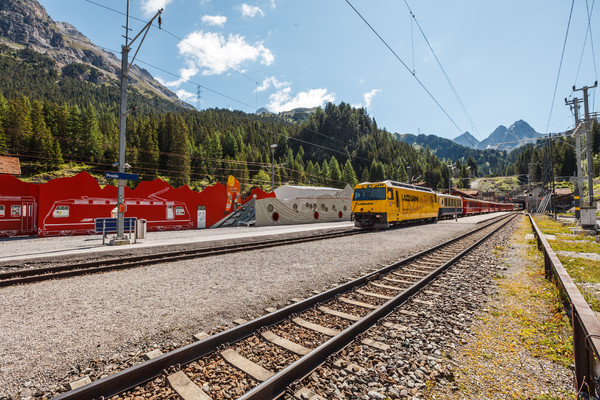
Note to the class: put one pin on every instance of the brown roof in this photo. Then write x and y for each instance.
(10, 165)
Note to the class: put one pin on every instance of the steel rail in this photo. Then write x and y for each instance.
(64, 271)
(148, 370)
(586, 327)
(278, 383)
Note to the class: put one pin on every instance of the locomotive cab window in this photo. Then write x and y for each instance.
(369, 194)
(1, 211)
(61, 212)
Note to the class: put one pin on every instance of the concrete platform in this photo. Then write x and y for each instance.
(19, 250)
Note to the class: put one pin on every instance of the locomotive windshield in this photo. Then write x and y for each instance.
(369, 194)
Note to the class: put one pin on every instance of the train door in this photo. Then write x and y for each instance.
(201, 217)
(27, 217)
(170, 214)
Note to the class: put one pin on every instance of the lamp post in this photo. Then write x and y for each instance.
(273, 146)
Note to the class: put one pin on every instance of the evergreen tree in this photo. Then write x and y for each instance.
(348, 174)
(335, 175)
(325, 174)
(179, 162)
(43, 145)
(4, 108)
(90, 138)
(19, 125)
(149, 154)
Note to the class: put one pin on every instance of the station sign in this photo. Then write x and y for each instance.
(121, 175)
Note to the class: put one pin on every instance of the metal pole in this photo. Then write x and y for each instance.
(122, 130)
(586, 120)
(273, 166)
(574, 104)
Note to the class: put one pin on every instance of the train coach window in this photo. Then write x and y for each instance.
(61, 212)
(179, 210)
(15, 211)
(369, 194)
(1, 211)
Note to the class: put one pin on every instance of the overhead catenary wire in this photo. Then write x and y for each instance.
(406, 67)
(560, 66)
(439, 63)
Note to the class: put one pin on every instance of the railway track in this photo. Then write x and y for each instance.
(24, 276)
(262, 358)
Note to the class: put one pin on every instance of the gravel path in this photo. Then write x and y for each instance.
(52, 331)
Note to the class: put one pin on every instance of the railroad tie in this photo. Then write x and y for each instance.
(379, 285)
(397, 327)
(152, 354)
(242, 363)
(200, 336)
(286, 344)
(185, 388)
(376, 295)
(332, 332)
(358, 303)
(427, 303)
(407, 276)
(315, 327)
(398, 281)
(350, 317)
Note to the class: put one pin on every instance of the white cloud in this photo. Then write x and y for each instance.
(271, 81)
(368, 99)
(233, 51)
(251, 11)
(283, 101)
(186, 96)
(150, 7)
(185, 75)
(273, 3)
(214, 20)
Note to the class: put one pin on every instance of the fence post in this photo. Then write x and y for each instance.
(582, 357)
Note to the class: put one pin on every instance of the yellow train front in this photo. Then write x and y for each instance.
(387, 203)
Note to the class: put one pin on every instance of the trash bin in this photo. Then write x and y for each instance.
(141, 229)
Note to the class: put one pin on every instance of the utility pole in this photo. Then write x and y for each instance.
(125, 64)
(587, 121)
(273, 146)
(574, 104)
(589, 219)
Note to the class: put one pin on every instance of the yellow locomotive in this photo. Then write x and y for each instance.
(387, 203)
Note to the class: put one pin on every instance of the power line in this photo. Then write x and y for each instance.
(560, 66)
(405, 66)
(444, 72)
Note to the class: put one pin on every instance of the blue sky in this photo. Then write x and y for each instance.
(502, 57)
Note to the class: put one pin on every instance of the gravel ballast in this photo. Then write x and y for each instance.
(53, 331)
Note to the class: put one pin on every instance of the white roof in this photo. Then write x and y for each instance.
(294, 192)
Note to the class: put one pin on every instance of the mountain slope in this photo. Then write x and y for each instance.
(467, 140)
(510, 138)
(25, 24)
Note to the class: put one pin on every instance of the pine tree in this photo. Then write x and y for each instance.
(335, 174)
(179, 162)
(149, 154)
(19, 125)
(4, 108)
(348, 174)
(90, 138)
(43, 145)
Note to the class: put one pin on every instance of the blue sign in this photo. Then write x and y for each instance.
(121, 175)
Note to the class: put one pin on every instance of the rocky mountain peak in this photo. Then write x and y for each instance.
(26, 23)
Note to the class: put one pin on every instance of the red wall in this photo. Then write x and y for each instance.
(80, 200)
